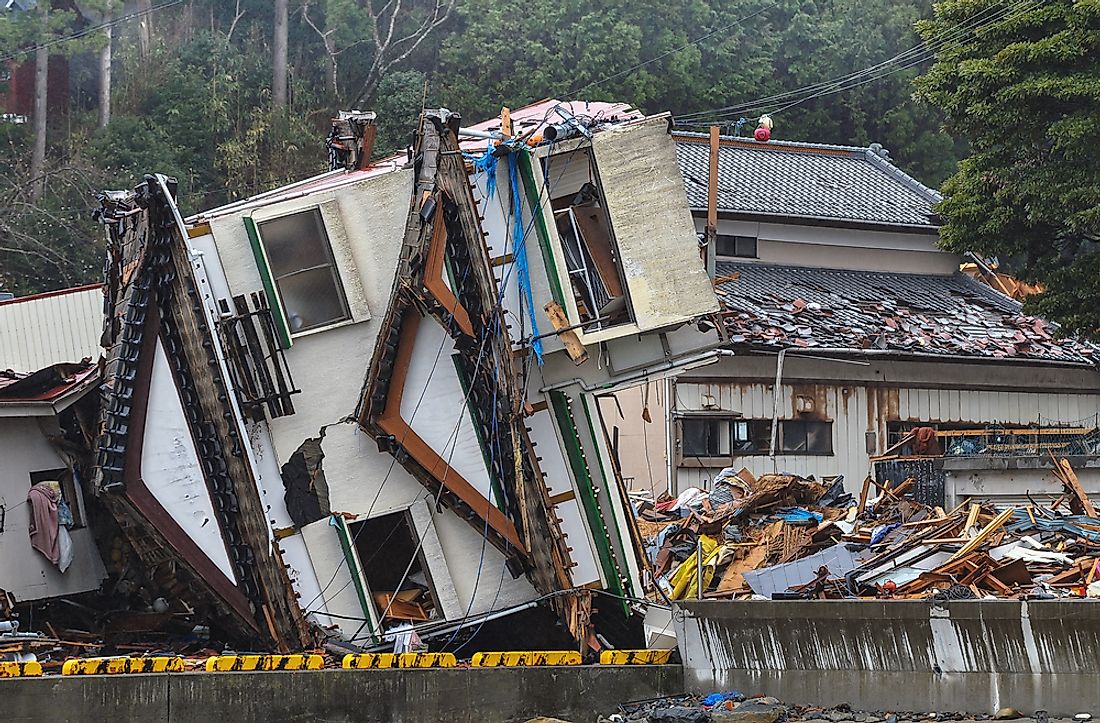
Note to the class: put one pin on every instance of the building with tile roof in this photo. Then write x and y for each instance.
(834, 292)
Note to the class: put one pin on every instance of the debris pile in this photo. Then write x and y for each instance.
(780, 536)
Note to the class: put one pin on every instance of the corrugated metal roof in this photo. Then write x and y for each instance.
(792, 306)
(802, 180)
(46, 329)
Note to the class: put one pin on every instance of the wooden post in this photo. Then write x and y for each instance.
(711, 233)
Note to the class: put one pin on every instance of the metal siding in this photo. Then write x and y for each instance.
(851, 421)
(39, 332)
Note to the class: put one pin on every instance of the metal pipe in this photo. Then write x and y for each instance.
(708, 357)
(487, 135)
(699, 567)
(775, 404)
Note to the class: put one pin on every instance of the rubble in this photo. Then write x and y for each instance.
(785, 537)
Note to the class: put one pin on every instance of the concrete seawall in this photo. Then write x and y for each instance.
(474, 695)
(971, 656)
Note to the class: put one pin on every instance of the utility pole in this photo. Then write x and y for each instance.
(279, 62)
(105, 77)
(41, 72)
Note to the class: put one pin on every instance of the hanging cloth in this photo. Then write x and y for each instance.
(44, 520)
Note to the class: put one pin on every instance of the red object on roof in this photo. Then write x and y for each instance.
(46, 385)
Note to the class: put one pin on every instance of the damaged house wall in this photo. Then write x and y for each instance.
(328, 366)
(28, 574)
(832, 285)
(173, 465)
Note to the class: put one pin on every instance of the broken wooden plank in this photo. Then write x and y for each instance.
(985, 534)
(573, 346)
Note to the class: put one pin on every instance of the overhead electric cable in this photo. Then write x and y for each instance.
(89, 30)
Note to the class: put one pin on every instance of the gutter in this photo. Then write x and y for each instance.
(708, 357)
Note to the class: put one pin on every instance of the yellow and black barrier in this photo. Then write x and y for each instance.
(122, 665)
(374, 661)
(635, 657)
(526, 658)
(234, 663)
(30, 669)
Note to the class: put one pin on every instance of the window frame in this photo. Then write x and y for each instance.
(344, 266)
(329, 263)
(70, 491)
(754, 429)
(736, 239)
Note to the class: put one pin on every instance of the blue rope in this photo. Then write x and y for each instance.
(519, 253)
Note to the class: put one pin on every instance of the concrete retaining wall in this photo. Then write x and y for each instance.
(481, 695)
(972, 656)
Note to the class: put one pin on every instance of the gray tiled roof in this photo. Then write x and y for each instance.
(789, 306)
(801, 180)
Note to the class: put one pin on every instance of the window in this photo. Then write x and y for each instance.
(304, 271)
(70, 491)
(805, 437)
(732, 437)
(706, 437)
(743, 247)
(387, 548)
(719, 437)
(588, 242)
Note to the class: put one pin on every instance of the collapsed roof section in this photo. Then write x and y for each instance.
(173, 466)
(777, 306)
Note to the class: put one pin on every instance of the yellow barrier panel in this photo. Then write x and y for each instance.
(366, 661)
(426, 660)
(635, 657)
(231, 663)
(526, 658)
(122, 664)
(20, 670)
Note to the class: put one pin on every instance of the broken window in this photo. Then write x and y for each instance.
(393, 564)
(743, 247)
(588, 243)
(304, 270)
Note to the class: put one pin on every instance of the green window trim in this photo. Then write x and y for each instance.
(282, 328)
(464, 380)
(352, 560)
(577, 463)
(534, 199)
(603, 476)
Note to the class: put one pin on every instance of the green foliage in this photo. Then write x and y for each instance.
(198, 105)
(1025, 92)
(498, 56)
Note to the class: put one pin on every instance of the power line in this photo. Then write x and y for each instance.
(904, 60)
(89, 30)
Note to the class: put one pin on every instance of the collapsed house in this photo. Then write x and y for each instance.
(47, 415)
(857, 345)
(367, 400)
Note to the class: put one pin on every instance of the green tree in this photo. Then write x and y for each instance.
(1025, 92)
(644, 54)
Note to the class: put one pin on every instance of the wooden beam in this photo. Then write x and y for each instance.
(984, 535)
(573, 346)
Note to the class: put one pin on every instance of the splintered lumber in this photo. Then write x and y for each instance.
(985, 534)
(863, 495)
(1064, 471)
(972, 517)
(573, 346)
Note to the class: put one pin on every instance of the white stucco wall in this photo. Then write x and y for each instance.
(24, 571)
(330, 365)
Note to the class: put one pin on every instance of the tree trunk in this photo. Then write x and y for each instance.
(145, 26)
(279, 62)
(105, 80)
(38, 155)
